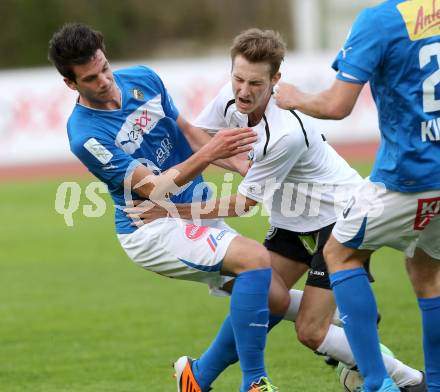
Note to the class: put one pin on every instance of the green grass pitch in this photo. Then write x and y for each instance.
(77, 315)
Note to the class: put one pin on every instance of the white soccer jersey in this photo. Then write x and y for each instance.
(301, 180)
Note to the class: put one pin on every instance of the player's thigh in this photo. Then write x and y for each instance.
(338, 256)
(376, 216)
(244, 254)
(424, 273)
(290, 271)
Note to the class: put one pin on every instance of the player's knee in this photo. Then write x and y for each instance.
(259, 257)
(279, 301)
(245, 255)
(310, 334)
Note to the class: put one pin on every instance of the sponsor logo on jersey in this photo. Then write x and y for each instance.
(316, 273)
(430, 130)
(194, 232)
(164, 151)
(98, 151)
(137, 93)
(426, 210)
(271, 232)
(221, 235)
(139, 123)
(421, 17)
(259, 325)
(109, 167)
(345, 51)
(348, 207)
(212, 242)
(309, 242)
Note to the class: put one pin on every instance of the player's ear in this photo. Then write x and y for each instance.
(276, 78)
(70, 83)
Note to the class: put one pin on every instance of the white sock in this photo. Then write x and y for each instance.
(335, 345)
(401, 374)
(295, 300)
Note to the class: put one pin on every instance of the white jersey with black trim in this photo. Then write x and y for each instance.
(301, 180)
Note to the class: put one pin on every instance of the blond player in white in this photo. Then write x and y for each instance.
(303, 184)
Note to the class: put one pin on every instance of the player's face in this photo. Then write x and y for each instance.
(95, 83)
(252, 85)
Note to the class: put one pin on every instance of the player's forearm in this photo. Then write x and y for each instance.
(236, 164)
(322, 105)
(196, 137)
(192, 167)
(228, 206)
(159, 187)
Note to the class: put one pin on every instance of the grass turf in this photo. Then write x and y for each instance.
(76, 315)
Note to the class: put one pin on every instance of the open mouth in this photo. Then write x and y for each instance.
(244, 101)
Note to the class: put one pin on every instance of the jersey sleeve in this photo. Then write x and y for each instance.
(363, 50)
(267, 174)
(212, 117)
(103, 159)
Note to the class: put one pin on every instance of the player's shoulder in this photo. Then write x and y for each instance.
(82, 126)
(137, 74)
(225, 96)
(135, 71)
(291, 126)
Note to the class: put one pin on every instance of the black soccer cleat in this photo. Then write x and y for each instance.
(421, 387)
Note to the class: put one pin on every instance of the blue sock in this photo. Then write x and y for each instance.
(250, 321)
(358, 313)
(430, 308)
(221, 353)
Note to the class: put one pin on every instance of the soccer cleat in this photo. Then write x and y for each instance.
(185, 379)
(331, 361)
(263, 385)
(387, 386)
(420, 387)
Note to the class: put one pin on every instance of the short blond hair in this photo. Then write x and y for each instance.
(260, 46)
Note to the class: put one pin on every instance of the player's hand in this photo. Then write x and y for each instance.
(286, 95)
(243, 164)
(144, 212)
(229, 142)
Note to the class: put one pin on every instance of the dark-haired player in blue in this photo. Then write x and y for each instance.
(126, 130)
(395, 46)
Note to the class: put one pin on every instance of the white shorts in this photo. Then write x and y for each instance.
(376, 216)
(178, 248)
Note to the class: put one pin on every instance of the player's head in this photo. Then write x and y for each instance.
(256, 58)
(78, 53)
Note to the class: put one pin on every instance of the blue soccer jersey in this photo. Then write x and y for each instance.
(111, 143)
(396, 47)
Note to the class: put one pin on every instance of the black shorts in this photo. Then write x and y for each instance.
(305, 248)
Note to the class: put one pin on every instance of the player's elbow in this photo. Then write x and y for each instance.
(338, 110)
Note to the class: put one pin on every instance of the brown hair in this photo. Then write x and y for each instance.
(74, 44)
(258, 46)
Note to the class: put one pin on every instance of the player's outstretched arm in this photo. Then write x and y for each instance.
(226, 143)
(229, 206)
(335, 103)
(198, 137)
